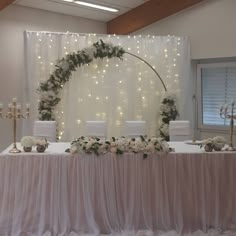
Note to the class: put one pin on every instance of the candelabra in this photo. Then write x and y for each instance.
(14, 113)
(225, 114)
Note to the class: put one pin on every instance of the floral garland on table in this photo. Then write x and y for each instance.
(119, 145)
(168, 111)
(49, 90)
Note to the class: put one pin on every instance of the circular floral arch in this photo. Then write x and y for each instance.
(49, 90)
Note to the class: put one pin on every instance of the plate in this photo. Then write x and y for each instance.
(191, 142)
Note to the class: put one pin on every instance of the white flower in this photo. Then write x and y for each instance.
(41, 142)
(90, 52)
(165, 146)
(165, 129)
(73, 149)
(219, 139)
(165, 108)
(149, 148)
(89, 145)
(64, 65)
(27, 141)
(207, 141)
(113, 147)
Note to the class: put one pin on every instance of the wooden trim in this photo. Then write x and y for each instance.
(146, 14)
(5, 3)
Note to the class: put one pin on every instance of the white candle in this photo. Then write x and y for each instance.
(18, 106)
(1, 106)
(14, 99)
(28, 106)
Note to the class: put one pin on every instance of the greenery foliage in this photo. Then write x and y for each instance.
(119, 146)
(49, 90)
(168, 112)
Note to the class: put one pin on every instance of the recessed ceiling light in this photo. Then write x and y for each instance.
(88, 4)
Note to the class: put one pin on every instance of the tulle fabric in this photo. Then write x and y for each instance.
(168, 194)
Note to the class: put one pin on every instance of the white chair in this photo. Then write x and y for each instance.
(134, 128)
(96, 129)
(45, 129)
(179, 130)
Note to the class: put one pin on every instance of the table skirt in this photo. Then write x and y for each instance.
(169, 194)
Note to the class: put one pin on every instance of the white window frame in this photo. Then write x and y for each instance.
(200, 124)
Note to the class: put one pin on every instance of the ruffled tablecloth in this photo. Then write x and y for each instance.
(188, 192)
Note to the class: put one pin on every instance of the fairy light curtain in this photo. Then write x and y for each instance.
(109, 89)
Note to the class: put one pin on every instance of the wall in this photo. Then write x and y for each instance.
(209, 26)
(13, 21)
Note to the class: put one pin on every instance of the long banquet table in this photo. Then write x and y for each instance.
(187, 192)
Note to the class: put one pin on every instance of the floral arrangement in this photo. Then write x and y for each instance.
(168, 112)
(49, 90)
(216, 143)
(27, 141)
(41, 142)
(119, 145)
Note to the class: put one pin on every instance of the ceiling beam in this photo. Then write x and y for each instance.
(146, 14)
(5, 3)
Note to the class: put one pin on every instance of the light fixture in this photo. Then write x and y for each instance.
(93, 5)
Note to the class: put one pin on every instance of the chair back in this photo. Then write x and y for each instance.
(179, 130)
(96, 129)
(45, 129)
(133, 128)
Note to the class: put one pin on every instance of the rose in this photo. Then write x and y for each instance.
(113, 147)
(41, 142)
(73, 149)
(149, 148)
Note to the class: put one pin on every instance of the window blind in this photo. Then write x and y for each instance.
(218, 87)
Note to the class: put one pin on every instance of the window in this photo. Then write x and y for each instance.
(216, 87)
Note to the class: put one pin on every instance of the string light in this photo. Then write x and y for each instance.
(144, 81)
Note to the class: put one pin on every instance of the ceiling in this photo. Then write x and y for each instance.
(76, 10)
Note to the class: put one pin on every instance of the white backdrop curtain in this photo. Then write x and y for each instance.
(109, 89)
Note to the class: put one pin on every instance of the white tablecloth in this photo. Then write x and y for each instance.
(184, 193)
